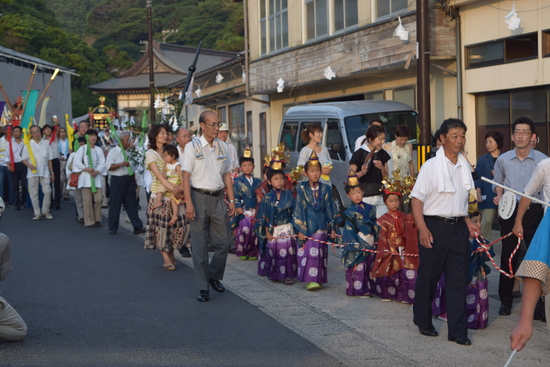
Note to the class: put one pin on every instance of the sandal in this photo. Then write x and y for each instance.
(173, 262)
(170, 267)
(92, 226)
(289, 281)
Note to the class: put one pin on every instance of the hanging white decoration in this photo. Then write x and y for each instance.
(198, 92)
(219, 78)
(280, 85)
(512, 19)
(157, 102)
(244, 76)
(329, 73)
(189, 93)
(401, 32)
(180, 95)
(174, 123)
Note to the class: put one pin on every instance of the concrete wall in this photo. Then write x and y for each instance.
(482, 21)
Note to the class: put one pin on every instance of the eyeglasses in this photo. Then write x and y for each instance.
(213, 125)
(522, 132)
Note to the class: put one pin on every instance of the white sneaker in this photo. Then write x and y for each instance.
(36, 217)
(48, 216)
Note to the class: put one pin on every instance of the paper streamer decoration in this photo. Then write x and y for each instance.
(27, 141)
(70, 131)
(30, 108)
(90, 162)
(42, 121)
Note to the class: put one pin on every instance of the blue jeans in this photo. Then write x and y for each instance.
(6, 182)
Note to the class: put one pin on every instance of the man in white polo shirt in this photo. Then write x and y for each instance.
(206, 172)
(440, 209)
(39, 172)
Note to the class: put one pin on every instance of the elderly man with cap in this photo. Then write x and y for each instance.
(123, 187)
(223, 135)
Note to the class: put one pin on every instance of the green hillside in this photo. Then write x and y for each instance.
(101, 38)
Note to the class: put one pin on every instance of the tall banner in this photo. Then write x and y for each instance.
(30, 107)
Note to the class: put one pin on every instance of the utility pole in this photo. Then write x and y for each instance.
(423, 79)
(151, 63)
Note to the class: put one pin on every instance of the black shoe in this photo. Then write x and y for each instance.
(57, 207)
(541, 316)
(216, 285)
(18, 207)
(231, 250)
(516, 294)
(139, 207)
(461, 341)
(139, 230)
(504, 310)
(203, 296)
(428, 332)
(112, 232)
(184, 251)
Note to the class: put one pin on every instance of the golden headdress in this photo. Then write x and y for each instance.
(284, 155)
(276, 163)
(247, 152)
(313, 160)
(472, 204)
(296, 174)
(399, 185)
(352, 179)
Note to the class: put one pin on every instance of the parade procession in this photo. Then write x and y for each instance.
(325, 194)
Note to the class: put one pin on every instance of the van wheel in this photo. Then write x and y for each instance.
(337, 201)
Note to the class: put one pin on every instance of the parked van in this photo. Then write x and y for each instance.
(343, 123)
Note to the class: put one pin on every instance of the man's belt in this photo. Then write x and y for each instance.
(208, 192)
(446, 220)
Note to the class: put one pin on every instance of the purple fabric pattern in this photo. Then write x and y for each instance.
(358, 281)
(312, 259)
(439, 303)
(477, 304)
(246, 242)
(283, 258)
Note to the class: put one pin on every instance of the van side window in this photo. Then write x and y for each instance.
(288, 136)
(334, 141)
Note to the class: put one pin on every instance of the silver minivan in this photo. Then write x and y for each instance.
(343, 123)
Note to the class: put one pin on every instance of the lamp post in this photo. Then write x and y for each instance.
(151, 63)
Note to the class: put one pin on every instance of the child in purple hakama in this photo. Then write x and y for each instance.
(313, 217)
(360, 233)
(244, 187)
(274, 228)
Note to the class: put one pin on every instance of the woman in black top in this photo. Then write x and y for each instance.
(370, 162)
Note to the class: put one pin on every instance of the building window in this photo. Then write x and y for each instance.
(273, 25)
(345, 14)
(316, 18)
(545, 43)
(496, 111)
(513, 49)
(237, 128)
(385, 8)
(222, 114)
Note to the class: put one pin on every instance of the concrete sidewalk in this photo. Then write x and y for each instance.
(365, 332)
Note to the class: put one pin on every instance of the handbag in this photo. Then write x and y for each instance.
(73, 180)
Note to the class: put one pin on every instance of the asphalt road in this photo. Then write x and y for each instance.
(94, 299)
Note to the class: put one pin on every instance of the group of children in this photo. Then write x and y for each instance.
(288, 233)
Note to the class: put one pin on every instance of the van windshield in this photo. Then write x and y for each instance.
(357, 125)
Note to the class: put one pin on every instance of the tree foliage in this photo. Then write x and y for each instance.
(99, 39)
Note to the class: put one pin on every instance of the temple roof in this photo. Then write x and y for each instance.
(171, 63)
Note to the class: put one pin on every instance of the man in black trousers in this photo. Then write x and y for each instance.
(123, 187)
(440, 209)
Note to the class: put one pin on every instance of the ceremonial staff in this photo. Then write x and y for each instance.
(115, 135)
(47, 86)
(515, 192)
(192, 69)
(24, 103)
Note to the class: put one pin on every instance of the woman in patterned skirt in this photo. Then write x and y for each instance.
(159, 234)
